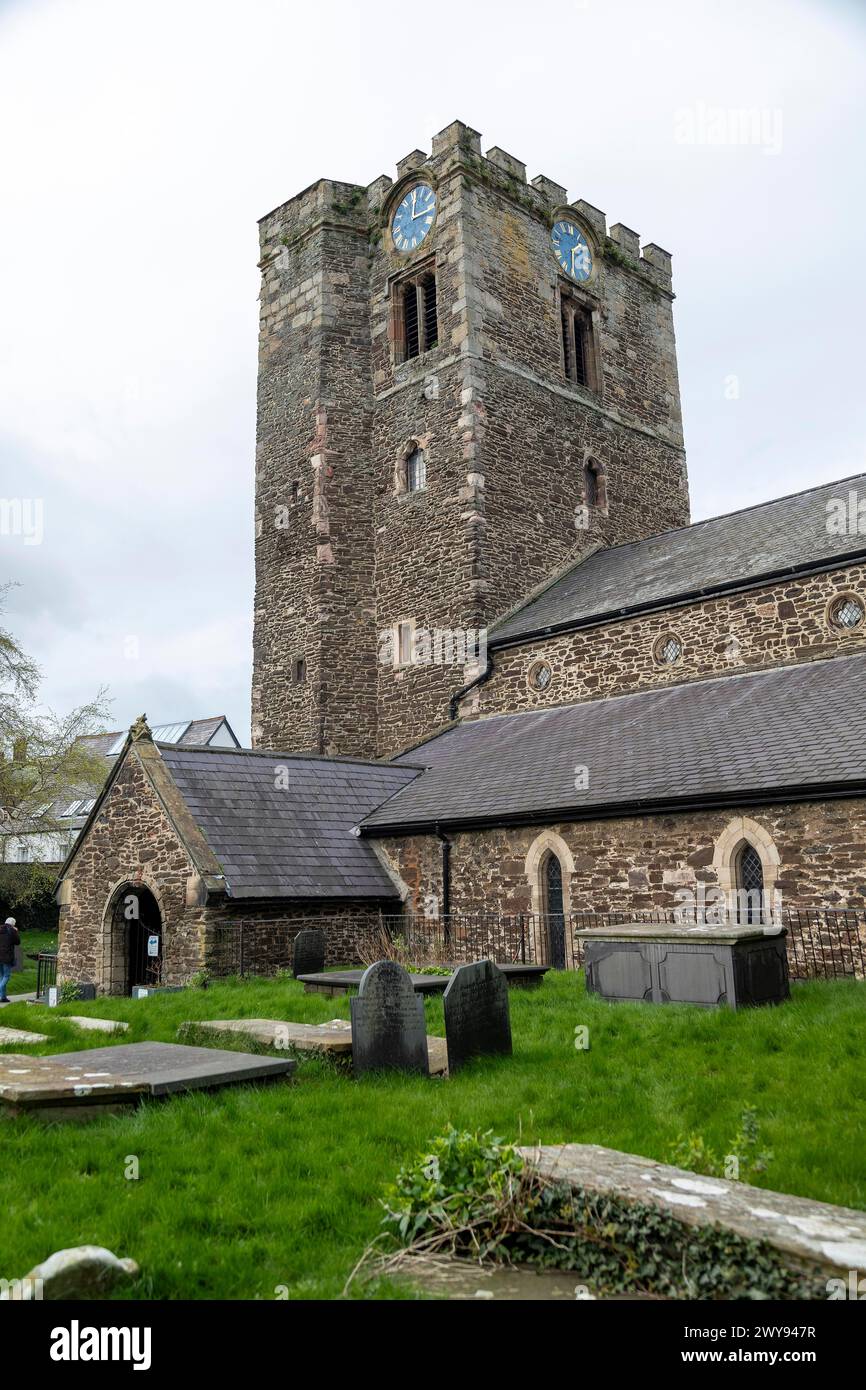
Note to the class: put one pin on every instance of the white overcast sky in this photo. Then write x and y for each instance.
(141, 142)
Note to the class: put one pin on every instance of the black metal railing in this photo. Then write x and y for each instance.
(822, 943)
(46, 972)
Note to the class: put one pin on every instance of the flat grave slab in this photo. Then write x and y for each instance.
(96, 1025)
(333, 1038)
(123, 1074)
(333, 982)
(20, 1037)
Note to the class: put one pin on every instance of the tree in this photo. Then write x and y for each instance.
(44, 757)
(19, 679)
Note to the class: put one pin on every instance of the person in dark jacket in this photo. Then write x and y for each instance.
(9, 939)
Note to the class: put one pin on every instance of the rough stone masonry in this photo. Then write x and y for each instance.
(344, 551)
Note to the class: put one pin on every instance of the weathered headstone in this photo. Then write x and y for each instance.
(309, 952)
(477, 1020)
(388, 1029)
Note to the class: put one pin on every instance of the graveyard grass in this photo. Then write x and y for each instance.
(258, 1188)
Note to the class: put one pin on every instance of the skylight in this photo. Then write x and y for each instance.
(163, 733)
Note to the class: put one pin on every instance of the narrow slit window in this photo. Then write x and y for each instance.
(404, 644)
(591, 479)
(416, 471)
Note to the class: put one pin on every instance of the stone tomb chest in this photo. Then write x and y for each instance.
(730, 965)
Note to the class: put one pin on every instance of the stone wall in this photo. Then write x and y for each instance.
(269, 934)
(776, 625)
(314, 551)
(131, 841)
(641, 862)
(505, 434)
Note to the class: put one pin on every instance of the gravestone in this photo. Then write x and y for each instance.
(388, 1029)
(477, 1020)
(83, 991)
(309, 952)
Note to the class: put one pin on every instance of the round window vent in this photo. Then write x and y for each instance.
(668, 650)
(846, 612)
(540, 675)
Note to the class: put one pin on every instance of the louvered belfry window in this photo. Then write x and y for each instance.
(412, 321)
(577, 343)
(417, 321)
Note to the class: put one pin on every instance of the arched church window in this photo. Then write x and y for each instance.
(554, 910)
(750, 884)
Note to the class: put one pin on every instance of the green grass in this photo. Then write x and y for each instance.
(248, 1189)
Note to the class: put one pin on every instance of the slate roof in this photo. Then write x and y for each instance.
(714, 741)
(723, 552)
(287, 842)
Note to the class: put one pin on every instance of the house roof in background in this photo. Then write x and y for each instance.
(723, 552)
(189, 732)
(281, 824)
(764, 734)
(73, 808)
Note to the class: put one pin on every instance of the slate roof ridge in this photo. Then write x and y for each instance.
(532, 597)
(187, 750)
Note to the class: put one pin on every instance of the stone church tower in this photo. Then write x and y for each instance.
(465, 383)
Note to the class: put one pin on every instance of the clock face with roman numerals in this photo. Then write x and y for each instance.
(414, 217)
(571, 249)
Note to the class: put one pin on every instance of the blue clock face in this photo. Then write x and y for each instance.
(414, 217)
(571, 250)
